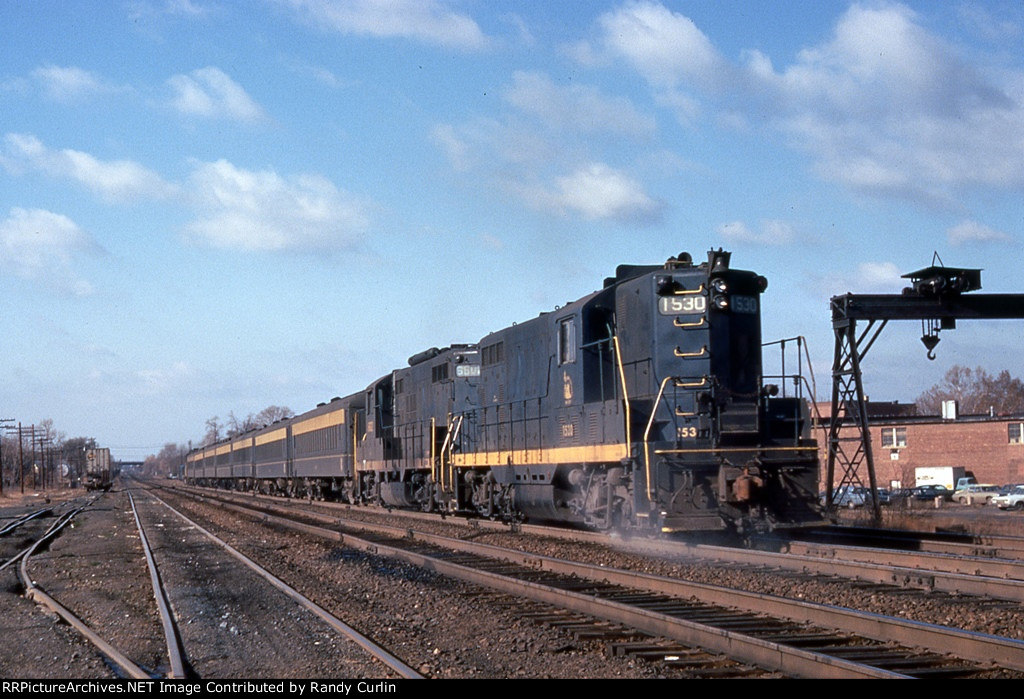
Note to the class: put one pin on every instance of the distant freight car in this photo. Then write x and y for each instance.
(98, 473)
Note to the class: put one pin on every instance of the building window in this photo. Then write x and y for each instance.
(894, 437)
(1015, 432)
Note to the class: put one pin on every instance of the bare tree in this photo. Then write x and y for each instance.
(168, 461)
(976, 392)
(271, 414)
(213, 428)
(236, 427)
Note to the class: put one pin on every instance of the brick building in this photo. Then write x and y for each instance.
(990, 446)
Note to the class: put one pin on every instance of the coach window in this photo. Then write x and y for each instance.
(567, 341)
(1015, 432)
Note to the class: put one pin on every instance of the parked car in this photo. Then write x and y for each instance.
(1014, 500)
(976, 494)
(930, 492)
(901, 495)
(849, 496)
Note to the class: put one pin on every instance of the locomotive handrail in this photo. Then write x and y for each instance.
(647, 434)
(625, 393)
(698, 324)
(437, 471)
(433, 457)
(454, 427)
(801, 344)
(690, 355)
(683, 384)
(799, 378)
(689, 292)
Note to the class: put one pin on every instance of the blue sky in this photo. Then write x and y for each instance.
(212, 207)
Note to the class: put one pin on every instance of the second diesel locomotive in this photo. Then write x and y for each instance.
(640, 406)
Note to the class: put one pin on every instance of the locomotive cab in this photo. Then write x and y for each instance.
(714, 452)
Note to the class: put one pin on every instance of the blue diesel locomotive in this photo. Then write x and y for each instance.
(641, 406)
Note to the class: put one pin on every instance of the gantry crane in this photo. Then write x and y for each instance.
(938, 297)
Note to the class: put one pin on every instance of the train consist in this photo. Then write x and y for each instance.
(641, 406)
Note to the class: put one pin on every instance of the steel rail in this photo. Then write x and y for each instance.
(175, 647)
(38, 595)
(376, 651)
(984, 545)
(980, 576)
(882, 573)
(959, 563)
(24, 519)
(976, 647)
(739, 646)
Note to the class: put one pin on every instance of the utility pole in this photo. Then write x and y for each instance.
(44, 451)
(21, 460)
(3, 427)
(32, 443)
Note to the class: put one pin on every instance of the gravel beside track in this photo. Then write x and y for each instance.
(96, 569)
(35, 643)
(962, 612)
(441, 627)
(237, 627)
(233, 629)
(233, 623)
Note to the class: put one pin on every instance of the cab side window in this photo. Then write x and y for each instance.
(567, 341)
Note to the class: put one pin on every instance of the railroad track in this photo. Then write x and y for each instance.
(944, 566)
(794, 638)
(937, 542)
(94, 579)
(30, 571)
(231, 558)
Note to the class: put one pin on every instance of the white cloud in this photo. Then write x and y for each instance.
(883, 106)
(146, 10)
(513, 150)
(665, 47)
(66, 84)
(39, 244)
(428, 21)
(114, 180)
(974, 232)
(870, 278)
(552, 131)
(261, 210)
(990, 23)
(771, 233)
(598, 192)
(454, 147)
(577, 107)
(209, 92)
(163, 380)
(886, 108)
(236, 208)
